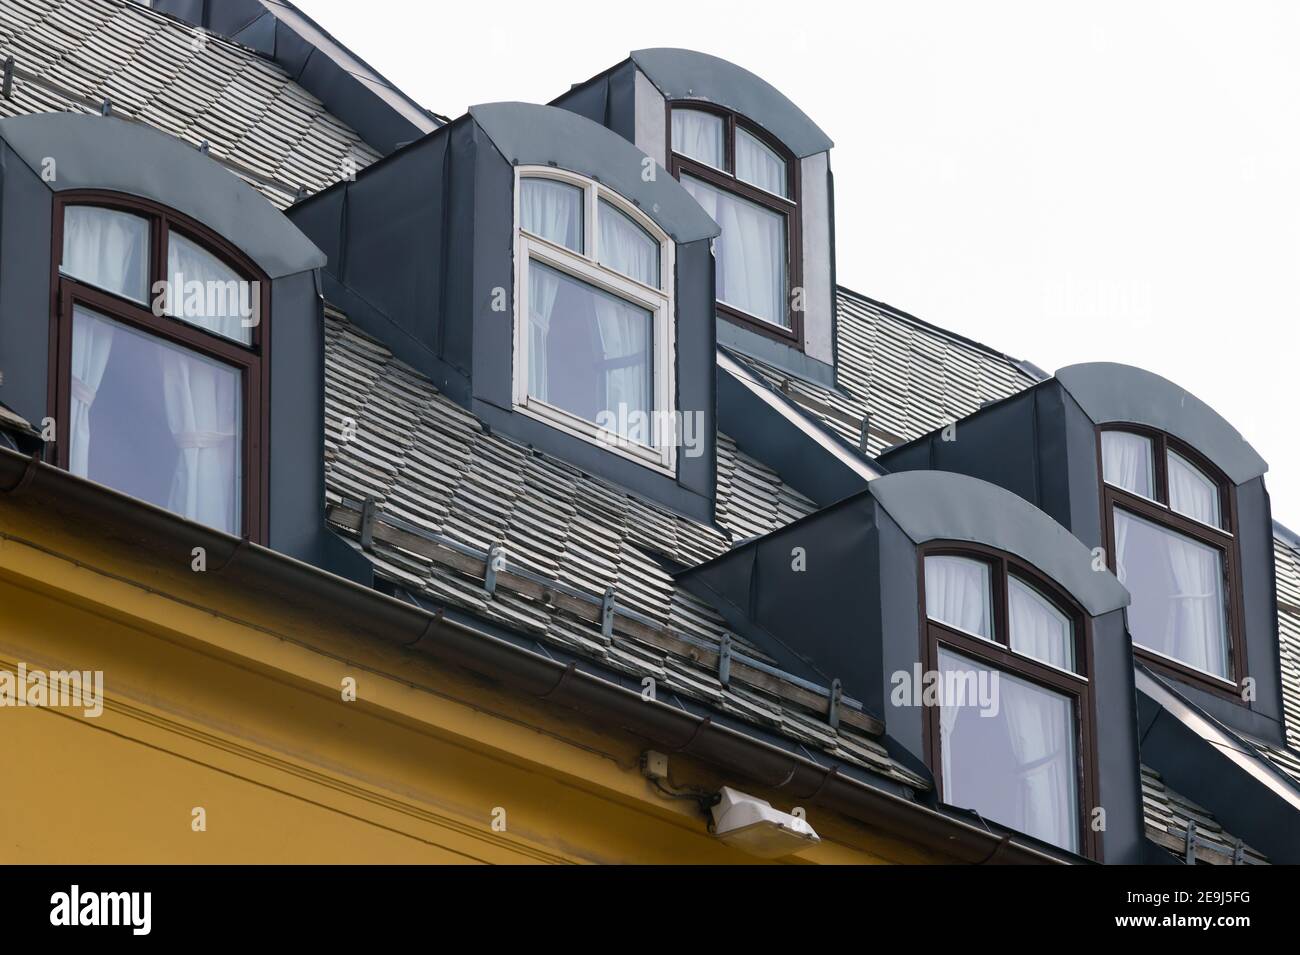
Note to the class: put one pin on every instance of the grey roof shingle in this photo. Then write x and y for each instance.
(1168, 815)
(907, 376)
(71, 55)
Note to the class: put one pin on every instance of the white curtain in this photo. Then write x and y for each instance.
(92, 343)
(957, 593)
(625, 247)
(1040, 727)
(1195, 629)
(552, 210)
(543, 287)
(202, 402)
(107, 249)
(204, 291)
(699, 135)
(1126, 461)
(750, 253)
(1192, 493)
(1038, 629)
(757, 165)
(625, 349)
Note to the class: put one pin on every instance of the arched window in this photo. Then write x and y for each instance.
(159, 360)
(594, 352)
(1170, 519)
(1011, 715)
(749, 184)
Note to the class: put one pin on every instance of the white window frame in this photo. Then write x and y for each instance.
(661, 454)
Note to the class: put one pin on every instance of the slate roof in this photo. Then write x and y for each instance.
(906, 376)
(1168, 815)
(1286, 550)
(71, 55)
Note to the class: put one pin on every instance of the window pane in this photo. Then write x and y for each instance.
(589, 352)
(156, 421)
(751, 256)
(1038, 628)
(1179, 606)
(107, 249)
(1126, 462)
(700, 136)
(758, 165)
(958, 593)
(202, 290)
(1008, 750)
(1191, 492)
(553, 211)
(626, 247)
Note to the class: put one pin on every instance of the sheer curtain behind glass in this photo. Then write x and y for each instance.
(758, 165)
(1038, 628)
(627, 248)
(553, 211)
(207, 293)
(202, 403)
(750, 263)
(957, 593)
(1015, 766)
(700, 136)
(1191, 493)
(107, 249)
(1126, 462)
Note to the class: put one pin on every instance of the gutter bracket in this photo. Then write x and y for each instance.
(837, 697)
(9, 78)
(1239, 853)
(724, 660)
(28, 475)
(496, 562)
(864, 434)
(607, 613)
(1189, 854)
(368, 525)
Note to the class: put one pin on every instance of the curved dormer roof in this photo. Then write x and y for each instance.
(109, 154)
(531, 135)
(1111, 393)
(941, 505)
(687, 75)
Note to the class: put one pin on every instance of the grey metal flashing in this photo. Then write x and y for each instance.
(940, 505)
(104, 153)
(1111, 393)
(776, 354)
(686, 75)
(527, 134)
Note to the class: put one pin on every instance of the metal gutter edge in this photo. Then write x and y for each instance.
(522, 670)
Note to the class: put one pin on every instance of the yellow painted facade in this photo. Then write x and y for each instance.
(231, 701)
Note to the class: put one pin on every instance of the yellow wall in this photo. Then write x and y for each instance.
(231, 702)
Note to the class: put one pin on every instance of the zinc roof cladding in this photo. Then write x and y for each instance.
(447, 490)
(1167, 816)
(71, 55)
(905, 376)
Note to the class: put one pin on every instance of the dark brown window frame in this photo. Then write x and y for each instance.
(997, 653)
(791, 208)
(252, 362)
(1223, 540)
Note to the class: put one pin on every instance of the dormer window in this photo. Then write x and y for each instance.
(594, 337)
(1011, 734)
(1172, 545)
(158, 369)
(748, 184)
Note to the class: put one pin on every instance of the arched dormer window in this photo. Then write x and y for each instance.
(159, 360)
(749, 184)
(1170, 519)
(1011, 736)
(594, 352)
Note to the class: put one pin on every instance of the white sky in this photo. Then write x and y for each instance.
(1093, 181)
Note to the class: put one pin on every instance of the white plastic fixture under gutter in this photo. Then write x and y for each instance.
(1214, 734)
(742, 374)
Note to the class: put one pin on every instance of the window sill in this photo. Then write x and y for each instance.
(663, 461)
